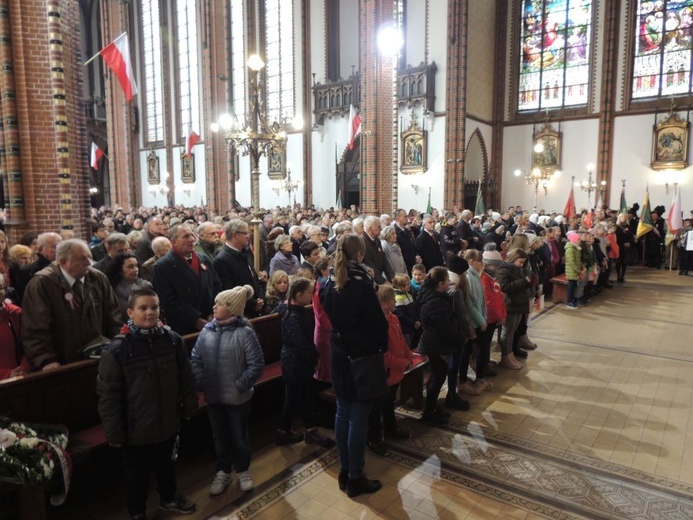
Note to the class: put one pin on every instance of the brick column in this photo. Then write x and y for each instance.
(608, 93)
(499, 96)
(456, 101)
(379, 130)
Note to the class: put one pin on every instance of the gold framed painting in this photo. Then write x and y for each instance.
(153, 174)
(546, 149)
(413, 149)
(670, 144)
(187, 168)
(276, 164)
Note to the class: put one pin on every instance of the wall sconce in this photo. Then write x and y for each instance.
(188, 191)
(416, 188)
(93, 191)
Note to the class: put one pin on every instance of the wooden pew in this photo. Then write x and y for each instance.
(560, 289)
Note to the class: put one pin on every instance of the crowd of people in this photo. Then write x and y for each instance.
(346, 285)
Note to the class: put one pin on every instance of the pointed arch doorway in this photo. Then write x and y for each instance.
(476, 171)
(349, 176)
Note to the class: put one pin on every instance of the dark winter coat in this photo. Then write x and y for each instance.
(516, 289)
(299, 355)
(442, 334)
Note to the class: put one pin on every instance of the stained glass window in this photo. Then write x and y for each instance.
(238, 58)
(555, 45)
(153, 72)
(188, 66)
(662, 62)
(279, 58)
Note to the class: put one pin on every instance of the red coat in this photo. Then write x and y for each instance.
(11, 354)
(321, 337)
(398, 355)
(495, 306)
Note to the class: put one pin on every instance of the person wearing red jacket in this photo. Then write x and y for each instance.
(13, 362)
(398, 359)
(495, 305)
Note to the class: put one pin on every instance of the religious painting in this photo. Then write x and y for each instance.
(153, 175)
(413, 149)
(276, 162)
(187, 168)
(546, 149)
(670, 144)
(663, 43)
(555, 48)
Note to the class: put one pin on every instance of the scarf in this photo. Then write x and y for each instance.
(131, 328)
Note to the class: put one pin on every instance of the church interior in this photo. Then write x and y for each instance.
(522, 101)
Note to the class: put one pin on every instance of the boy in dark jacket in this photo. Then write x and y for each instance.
(145, 387)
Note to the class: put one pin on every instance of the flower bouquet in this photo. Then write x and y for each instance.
(35, 457)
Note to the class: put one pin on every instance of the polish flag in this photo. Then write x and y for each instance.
(117, 56)
(354, 126)
(190, 141)
(674, 220)
(96, 154)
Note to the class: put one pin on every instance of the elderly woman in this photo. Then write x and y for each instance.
(20, 255)
(393, 253)
(284, 258)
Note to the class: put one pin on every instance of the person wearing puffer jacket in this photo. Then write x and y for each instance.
(516, 287)
(574, 269)
(226, 361)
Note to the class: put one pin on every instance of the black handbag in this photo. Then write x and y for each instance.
(369, 376)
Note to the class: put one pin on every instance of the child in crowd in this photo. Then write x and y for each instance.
(477, 314)
(574, 270)
(459, 291)
(298, 359)
(517, 287)
(495, 316)
(277, 289)
(142, 401)
(398, 359)
(323, 327)
(613, 251)
(441, 337)
(227, 360)
(406, 310)
(13, 362)
(418, 273)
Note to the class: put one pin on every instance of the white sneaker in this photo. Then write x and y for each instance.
(245, 481)
(220, 483)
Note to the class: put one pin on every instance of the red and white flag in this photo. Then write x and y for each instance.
(569, 210)
(674, 219)
(117, 56)
(96, 154)
(354, 125)
(190, 141)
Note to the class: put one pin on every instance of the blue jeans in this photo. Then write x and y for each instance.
(351, 429)
(231, 440)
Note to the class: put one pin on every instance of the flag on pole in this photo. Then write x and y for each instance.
(429, 209)
(589, 219)
(117, 56)
(96, 154)
(479, 208)
(645, 224)
(339, 199)
(190, 141)
(674, 220)
(569, 210)
(624, 206)
(354, 125)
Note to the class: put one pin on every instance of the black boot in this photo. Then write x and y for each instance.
(519, 353)
(362, 485)
(342, 479)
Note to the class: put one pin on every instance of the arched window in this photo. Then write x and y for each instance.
(188, 66)
(662, 61)
(555, 43)
(279, 58)
(153, 73)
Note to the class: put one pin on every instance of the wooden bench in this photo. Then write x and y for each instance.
(560, 288)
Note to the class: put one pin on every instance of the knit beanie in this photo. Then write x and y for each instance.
(573, 237)
(234, 299)
(457, 264)
(492, 258)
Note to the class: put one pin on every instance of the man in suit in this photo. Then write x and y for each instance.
(155, 228)
(115, 243)
(234, 264)
(186, 283)
(375, 256)
(428, 244)
(406, 240)
(464, 229)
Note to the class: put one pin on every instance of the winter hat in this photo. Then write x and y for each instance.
(495, 216)
(559, 219)
(533, 218)
(457, 264)
(573, 237)
(492, 258)
(234, 299)
(532, 237)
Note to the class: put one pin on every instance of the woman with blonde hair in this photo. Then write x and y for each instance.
(359, 329)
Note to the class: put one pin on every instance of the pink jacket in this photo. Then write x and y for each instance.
(398, 355)
(323, 328)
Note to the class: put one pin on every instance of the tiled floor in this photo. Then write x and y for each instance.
(595, 426)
